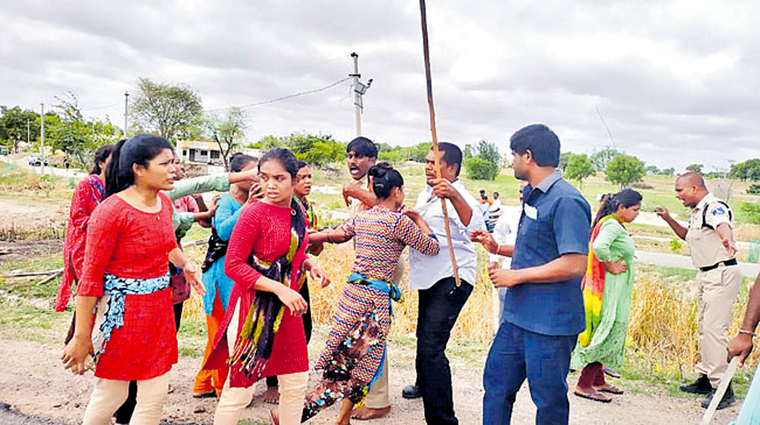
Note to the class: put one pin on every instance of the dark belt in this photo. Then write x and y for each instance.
(731, 262)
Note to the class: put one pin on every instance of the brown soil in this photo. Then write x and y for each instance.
(34, 382)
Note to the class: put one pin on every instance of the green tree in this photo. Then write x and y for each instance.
(625, 170)
(579, 167)
(602, 157)
(418, 152)
(747, 170)
(652, 170)
(269, 142)
(323, 152)
(73, 134)
(227, 131)
(668, 172)
(697, 168)
(166, 110)
(467, 152)
(13, 126)
(485, 164)
(564, 158)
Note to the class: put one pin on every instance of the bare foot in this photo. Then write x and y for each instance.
(365, 413)
(272, 396)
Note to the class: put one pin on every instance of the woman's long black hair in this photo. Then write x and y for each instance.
(101, 155)
(239, 161)
(137, 150)
(610, 203)
(384, 179)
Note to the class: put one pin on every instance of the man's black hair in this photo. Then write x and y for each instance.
(540, 140)
(362, 146)
(451, 154)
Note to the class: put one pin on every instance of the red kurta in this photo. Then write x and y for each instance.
(262, 229)
(87, 196)
(130, 243)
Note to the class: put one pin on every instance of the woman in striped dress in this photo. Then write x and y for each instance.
(355, 348)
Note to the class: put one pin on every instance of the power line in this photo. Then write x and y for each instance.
(279, 99)
(101, 107)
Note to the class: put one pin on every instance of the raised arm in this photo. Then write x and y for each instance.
(663, 213)
(416, 234)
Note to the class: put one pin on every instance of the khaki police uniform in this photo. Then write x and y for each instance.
(719, 279)
(378, 396)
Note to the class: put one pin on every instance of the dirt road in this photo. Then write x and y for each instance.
(33, 381)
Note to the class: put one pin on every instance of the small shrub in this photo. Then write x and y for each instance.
(754, 189)
(675, 244)
(480, 169)
(752, 211)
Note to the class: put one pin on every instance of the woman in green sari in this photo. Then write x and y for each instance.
(607, 289)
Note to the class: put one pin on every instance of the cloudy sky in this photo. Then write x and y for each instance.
(677, 82)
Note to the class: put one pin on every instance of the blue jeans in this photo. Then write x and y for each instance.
(517, 354)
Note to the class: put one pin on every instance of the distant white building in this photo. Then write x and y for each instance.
(201, 152)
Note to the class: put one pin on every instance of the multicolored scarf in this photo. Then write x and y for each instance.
(254, 346)
(311, 215)
(593, 287)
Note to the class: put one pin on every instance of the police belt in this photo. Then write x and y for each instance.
(731, 262)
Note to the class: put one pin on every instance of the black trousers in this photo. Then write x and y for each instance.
(124, 413)
(307, 325)
(439, 308)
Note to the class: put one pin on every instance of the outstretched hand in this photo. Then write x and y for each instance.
(486, 239)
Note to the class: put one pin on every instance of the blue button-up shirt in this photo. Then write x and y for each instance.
(556, 220)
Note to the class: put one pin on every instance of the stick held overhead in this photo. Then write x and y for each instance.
(431, 106)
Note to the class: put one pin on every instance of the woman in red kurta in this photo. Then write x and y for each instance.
(130, 241)
(266, 259)
(87, 196)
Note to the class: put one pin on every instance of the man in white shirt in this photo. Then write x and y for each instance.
(440, 299)
(504, 233)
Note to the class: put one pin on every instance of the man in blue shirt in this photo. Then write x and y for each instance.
(543, 307)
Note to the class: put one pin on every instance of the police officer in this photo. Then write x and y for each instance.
(713, 251)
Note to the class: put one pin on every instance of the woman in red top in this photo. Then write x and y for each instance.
(266, 259)
(130, 240)
(87, 196)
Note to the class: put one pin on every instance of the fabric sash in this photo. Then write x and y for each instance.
(256, 339)
(389, 288)
(593, 287)
(116, 288)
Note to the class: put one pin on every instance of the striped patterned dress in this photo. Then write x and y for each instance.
(355, 347)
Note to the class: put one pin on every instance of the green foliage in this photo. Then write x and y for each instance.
(13, 126)
(668, 172)
(675, 244)
(747, 170)
(652, 170)
(697, 168)
(166, 110)
(602, 157)
(227, 131)
(564, 158)
(752, 212)
(480, 169)
(579, 167)
(317, 150)
(624, 170)
(485, 164)
(418, 152)
(77, 137)
(754, 189)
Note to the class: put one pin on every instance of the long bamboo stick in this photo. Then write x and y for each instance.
(429, 79)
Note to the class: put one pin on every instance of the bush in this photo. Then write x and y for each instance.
(480, 169)
(752, 211)
(754, 189)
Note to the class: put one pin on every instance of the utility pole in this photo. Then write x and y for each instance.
(359, 90)
(126, 111)
(42, 138)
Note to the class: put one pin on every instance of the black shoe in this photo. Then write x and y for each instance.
(411, 392)
(727, 400)
(700, 386)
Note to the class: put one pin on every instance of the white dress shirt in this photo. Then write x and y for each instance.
(505, 232)
(426, 270)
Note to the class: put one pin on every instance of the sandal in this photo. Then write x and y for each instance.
(595, 396)
(273, 419)
(611, 372)
(208, 394)
(610, 389)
